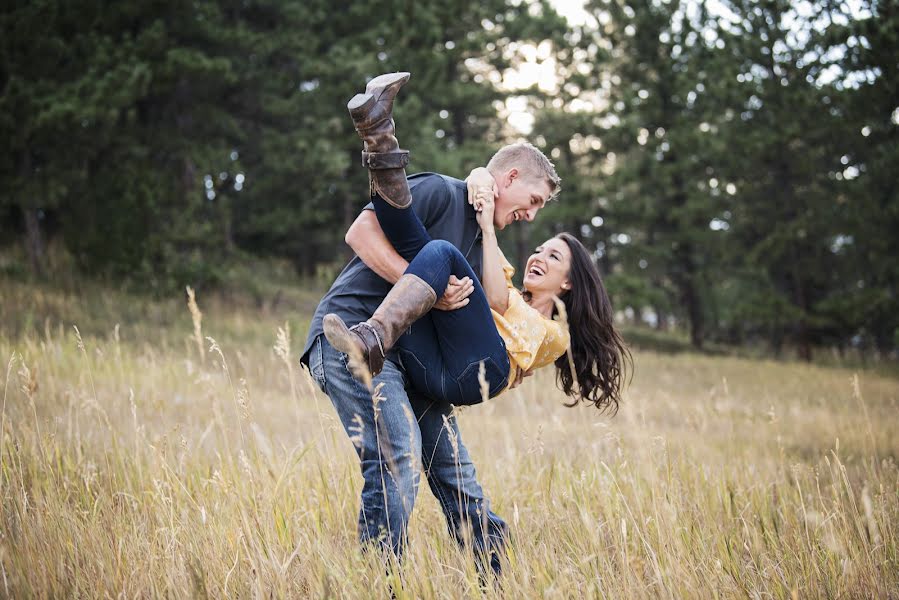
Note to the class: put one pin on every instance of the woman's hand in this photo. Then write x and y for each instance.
(456, 294)
(481, 184)
(519, 378)
(484, 205)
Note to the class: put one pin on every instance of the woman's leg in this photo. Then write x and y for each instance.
(403, 228)
(408, 300)
(372, 113)
(444, 352)
(461, 339)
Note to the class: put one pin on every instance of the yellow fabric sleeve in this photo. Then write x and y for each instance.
(532, 340)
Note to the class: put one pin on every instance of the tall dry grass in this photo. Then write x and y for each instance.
(191, 466)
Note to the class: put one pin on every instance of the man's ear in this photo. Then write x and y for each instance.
(510, 176)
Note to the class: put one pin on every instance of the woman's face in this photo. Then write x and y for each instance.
(547, 268)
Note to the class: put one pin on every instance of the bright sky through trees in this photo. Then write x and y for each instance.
(539, 66)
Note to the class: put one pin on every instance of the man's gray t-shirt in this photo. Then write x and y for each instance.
(441, 204)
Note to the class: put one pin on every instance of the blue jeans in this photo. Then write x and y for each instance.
(445, 351)
(396, 433)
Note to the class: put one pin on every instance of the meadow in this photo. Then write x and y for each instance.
(144, 456)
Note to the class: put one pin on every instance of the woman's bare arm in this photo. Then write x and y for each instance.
(481, 195)
(492, 276)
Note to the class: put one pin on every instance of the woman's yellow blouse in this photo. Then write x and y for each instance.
(532, 340)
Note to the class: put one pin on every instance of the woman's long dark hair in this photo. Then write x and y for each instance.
(599, 361)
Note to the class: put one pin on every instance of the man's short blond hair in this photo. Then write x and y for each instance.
(530, 162)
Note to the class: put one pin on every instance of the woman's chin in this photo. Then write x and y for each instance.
(534, 285)
(539, 289)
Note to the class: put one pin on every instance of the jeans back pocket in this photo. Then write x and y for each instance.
(316, 364)
(417, 376)
(469, 382)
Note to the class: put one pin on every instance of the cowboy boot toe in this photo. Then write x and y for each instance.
(343, 338)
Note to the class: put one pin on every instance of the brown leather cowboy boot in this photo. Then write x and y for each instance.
(372, 114)
(370, 340)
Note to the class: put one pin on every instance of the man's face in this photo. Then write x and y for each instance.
(519, 198)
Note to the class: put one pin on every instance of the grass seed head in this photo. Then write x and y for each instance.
(243, 399)
(28, 377)
(197, 318)
(282, 344)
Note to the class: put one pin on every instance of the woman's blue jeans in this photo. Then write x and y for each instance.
(445, 352)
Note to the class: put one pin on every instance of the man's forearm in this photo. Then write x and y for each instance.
(368, 241)
(390, 266)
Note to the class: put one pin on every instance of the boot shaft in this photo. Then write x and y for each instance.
(372, 114)
(409, 300)
(368, 342)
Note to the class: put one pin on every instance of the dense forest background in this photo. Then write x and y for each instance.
(732, 163)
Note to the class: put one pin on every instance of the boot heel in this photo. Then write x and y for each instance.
(360, 105)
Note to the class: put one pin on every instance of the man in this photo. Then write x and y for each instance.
(396, 431)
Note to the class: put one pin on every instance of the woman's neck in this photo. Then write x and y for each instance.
(542, 302)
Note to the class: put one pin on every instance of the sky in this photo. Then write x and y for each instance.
(538, 68)
(573, 10)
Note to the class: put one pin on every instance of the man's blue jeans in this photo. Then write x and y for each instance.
(396, 433)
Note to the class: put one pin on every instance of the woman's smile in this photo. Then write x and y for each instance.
(547, 268)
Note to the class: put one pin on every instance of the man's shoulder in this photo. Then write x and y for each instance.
(437, 183)
(441, 204)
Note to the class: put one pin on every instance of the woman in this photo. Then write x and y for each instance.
(478, 350)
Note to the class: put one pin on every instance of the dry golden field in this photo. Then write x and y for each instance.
(142, 460)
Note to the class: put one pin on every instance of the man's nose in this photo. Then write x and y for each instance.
(530, 214)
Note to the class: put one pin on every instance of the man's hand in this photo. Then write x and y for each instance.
(519, 378)
(456, 294)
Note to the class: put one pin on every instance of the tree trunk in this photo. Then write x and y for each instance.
(694, 311)
(805, 346)
(800, 299)
(690, 296)
(458, 115)
(685, 264)
(227, 225)
(34, 241)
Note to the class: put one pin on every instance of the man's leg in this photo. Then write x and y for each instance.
(453, 480)
(387, 440)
